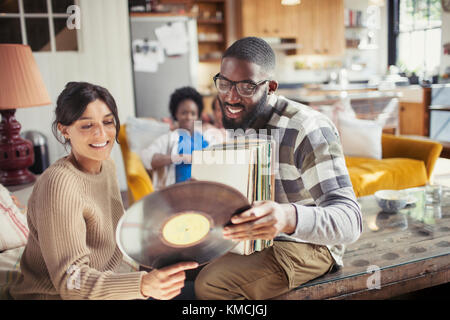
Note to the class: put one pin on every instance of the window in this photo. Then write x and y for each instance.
(419, 36)
(41, 24)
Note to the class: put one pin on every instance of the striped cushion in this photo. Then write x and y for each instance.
(13, 224)
(9, 270)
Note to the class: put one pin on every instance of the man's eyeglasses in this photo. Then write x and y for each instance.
(245, 88)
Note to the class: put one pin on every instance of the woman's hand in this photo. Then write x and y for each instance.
(166, 283)
(263, 221)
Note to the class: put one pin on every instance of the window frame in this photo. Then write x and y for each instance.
(394, 30)
(50, 15)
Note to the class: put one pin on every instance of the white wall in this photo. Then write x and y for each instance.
(103, 58)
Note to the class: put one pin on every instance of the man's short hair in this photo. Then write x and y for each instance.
(255, 50)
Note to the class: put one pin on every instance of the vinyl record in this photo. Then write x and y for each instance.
(182, 222)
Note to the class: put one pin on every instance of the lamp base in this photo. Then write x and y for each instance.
(16, 154)
(13, 178)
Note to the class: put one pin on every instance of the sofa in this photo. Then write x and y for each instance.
(405, 163)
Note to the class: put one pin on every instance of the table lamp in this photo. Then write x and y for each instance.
(21, 86)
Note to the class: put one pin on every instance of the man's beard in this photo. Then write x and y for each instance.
(249, 119)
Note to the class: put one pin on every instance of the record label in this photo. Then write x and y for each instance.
(186, 229)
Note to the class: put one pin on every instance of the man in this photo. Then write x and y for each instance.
(315, 211)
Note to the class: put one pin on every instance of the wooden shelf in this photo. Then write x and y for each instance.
(210, 21)
(210, 60)
(211, 28)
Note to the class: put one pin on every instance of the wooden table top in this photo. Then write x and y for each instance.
(402, 246)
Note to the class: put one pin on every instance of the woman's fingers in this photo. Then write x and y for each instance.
(181, 266)
(166, 283)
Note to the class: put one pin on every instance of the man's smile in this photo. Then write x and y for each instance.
(233, 111)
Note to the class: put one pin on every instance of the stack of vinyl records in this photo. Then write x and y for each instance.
(246, 164)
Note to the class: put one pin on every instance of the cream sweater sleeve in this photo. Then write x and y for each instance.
(62, 237)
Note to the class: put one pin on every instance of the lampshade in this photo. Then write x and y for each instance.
(21, 84)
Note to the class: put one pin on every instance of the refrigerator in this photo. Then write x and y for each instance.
(153, 85)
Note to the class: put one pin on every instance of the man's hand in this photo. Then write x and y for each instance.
(166, 283)
(181, 158)
(265, 220)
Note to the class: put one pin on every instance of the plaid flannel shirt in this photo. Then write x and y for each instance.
(312, 175)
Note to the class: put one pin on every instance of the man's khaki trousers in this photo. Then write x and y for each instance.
(262, 275)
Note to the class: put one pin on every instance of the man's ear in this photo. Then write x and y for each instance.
(273, 86)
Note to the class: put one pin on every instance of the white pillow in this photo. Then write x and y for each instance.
(360, 138)
(142, 132)
(339, 109)
(13, 223)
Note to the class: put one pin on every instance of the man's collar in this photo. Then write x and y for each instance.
(265, 118)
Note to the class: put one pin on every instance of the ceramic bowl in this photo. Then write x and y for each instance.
(391, 201)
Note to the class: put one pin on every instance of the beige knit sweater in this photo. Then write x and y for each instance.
(71, 251)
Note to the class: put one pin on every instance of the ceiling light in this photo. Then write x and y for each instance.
(290, 2)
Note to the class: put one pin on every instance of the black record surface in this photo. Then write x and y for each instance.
(140, 230)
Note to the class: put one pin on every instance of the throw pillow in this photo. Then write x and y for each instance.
(13, 224)
(360, 138)
(141, 132)
(341, 108)
(9, 270)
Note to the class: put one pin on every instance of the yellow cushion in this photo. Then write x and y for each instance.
(412, 148)
(138, 180)
(371, 175)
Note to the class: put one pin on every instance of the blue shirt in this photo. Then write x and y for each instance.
(187, 144)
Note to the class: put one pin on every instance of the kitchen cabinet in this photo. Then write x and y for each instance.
(317, 25)
(414, 115)
(266, 19)
(328, 27)
(211, 29)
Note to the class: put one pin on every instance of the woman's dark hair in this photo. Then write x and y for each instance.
(185, 93)
(72, 103)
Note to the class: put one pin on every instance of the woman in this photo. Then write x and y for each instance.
(74, 209)
(169, 156)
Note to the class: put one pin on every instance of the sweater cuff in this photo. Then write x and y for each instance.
(126, 286)
(306, 220)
